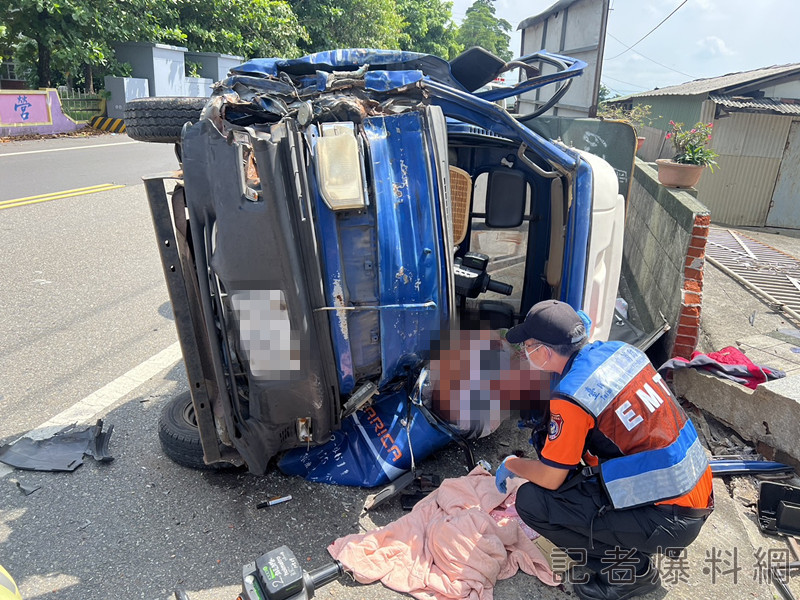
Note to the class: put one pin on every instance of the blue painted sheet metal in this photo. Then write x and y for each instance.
(410, 262)
(334, 281)
(577, 240)
(327, 60)
(383, 81)
(372, 447)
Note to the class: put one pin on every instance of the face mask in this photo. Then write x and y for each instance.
(533, 350)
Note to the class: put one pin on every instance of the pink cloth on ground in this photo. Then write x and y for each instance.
(449, 546)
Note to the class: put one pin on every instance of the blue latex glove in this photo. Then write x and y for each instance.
(502, 474)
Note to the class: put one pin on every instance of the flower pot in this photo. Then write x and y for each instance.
(678, 175)
(639, 143)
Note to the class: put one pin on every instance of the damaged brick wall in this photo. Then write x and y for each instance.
(688, 333)
(663, 260)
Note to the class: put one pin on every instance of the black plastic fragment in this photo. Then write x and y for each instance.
(27, 489)
(63, 451)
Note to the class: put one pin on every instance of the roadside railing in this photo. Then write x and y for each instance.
(79, 104)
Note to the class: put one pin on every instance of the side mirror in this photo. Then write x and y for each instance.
(506, 194)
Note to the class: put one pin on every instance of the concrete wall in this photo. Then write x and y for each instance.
(25, 112)
(769, 414)
(663, 260)
(197, 87)
(575, 28)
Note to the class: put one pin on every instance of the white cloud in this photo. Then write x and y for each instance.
(712, 46)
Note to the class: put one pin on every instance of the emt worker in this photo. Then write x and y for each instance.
(647, 487)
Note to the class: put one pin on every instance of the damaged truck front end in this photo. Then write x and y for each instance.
(327, 226)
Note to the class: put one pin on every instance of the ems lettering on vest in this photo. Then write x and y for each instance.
(650, 398)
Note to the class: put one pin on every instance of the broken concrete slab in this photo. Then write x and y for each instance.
(778, 349)
(768, 414)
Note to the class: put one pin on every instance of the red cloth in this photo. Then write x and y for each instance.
(728, 363)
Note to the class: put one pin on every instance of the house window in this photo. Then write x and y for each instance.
(8, 71)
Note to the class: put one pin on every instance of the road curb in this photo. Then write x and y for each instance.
(107, 124)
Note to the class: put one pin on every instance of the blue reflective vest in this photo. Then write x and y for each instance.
(647, 447)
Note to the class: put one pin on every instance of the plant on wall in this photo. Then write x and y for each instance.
(691, 146)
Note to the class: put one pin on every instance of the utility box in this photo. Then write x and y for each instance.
(124, 89)
(213, 64)
(162, 65)
(197, 87)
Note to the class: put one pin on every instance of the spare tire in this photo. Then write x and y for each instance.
(179, 435)
(161, 119)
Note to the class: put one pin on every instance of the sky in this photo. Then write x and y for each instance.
(704, 38)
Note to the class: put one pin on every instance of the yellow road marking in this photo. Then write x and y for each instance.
(58, 195)
(83, 189)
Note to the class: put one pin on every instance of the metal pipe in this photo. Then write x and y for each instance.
(780, 305)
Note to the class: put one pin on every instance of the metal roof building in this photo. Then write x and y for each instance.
(756, 117)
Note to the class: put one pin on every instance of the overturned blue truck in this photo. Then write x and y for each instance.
(332, 216)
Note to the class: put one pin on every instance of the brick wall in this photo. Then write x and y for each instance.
(663, 260)
(688, 332)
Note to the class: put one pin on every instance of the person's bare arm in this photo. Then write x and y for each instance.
(537, 472)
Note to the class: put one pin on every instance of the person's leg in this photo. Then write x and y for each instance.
(572, 520)
(618, 543)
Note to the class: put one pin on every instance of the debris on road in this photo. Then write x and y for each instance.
(274, 501)
(62, 451)
(27, 489)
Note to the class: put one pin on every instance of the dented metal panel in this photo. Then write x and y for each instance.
(408, 240)
(245, 248)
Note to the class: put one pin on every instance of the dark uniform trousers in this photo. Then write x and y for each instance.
(575, 519)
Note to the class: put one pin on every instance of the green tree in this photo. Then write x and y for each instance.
(46, 24)
(333, 24)
(59, 39)
(429, 28)
(604, 94)
(242, 27)
(482, 28)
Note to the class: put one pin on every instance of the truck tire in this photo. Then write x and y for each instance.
(179, 435)
(161, 119)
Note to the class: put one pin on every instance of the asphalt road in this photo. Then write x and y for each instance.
(35, 167)
(84, 299)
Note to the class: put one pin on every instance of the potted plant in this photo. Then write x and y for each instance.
(692, 155)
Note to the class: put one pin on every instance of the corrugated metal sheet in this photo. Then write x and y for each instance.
(739, 192)
(707, 111)
(749, 134)
(785, 210)
(750, 148)
(762, 104)
(712, 84)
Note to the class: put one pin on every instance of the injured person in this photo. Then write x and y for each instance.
(644, 485)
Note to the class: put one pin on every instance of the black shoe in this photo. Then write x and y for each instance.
(598, 589)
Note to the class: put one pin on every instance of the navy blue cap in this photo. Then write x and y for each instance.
(551, 322)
